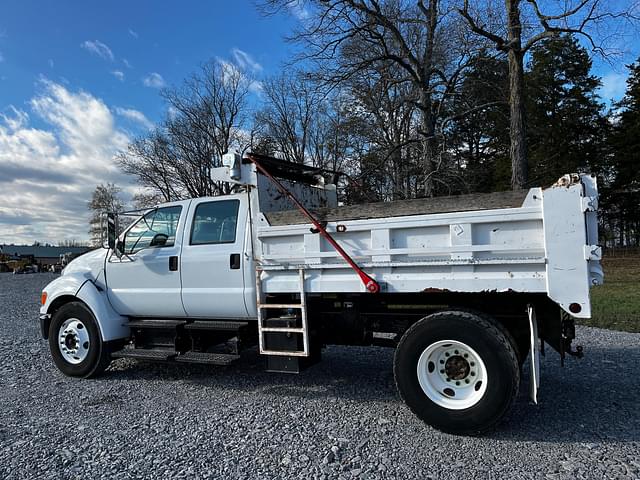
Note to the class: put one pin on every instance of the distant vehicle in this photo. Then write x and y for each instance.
(464, 288)
(26, 269)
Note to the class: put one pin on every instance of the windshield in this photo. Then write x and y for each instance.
(160, 221)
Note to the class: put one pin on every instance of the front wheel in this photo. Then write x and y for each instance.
(75, 342)
(457, 371)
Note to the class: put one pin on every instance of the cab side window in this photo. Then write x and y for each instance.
(155, 229)
(215, 222)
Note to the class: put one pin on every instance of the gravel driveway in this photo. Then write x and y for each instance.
(340, 419)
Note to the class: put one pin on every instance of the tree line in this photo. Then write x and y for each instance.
(415, 99)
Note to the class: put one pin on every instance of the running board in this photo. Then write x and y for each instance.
(171, 355)
(143, 354)
(187, 324)
(208, 358)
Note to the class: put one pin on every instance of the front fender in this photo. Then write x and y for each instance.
(112, 325)
(65, 285)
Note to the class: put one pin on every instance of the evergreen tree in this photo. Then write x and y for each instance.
(622, 197)
(480, 132)
(567, 128)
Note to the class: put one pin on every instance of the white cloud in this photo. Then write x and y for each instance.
(126, 63)
(135, 116)
(154, 80)
(172, 112)
(119, 74)
(229, 71)
(232, 71)
(1, 57)
(133, 33)
(98, 48)
(298, 10)
(47, 174)
(613, 86)
(256, 87)
(245, 61)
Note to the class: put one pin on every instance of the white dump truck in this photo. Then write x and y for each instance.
(464, 288)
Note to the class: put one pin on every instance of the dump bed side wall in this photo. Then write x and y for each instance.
(489, 250)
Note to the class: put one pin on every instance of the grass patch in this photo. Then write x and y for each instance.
(616, 304)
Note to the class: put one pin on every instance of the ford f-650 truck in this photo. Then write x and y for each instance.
(464, 288)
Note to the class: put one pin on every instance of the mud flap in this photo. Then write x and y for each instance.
(534, 377)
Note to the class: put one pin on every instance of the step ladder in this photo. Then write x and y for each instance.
(262, 328)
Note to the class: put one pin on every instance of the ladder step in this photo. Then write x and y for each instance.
(143, 354)
(281, 305)
(215, 325)
(283, 329)
(285, 353)
(155, 323)
(208, 358)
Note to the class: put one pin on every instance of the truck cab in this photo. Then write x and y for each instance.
(169, 254)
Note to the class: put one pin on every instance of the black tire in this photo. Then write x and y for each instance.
(494, 346)
(98, 356)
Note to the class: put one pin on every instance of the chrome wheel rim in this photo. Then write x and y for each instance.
(452, 374)
(73, 341)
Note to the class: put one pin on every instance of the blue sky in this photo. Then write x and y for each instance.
(109, 48)
(79, 80)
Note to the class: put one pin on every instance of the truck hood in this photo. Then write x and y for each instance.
(89, 265)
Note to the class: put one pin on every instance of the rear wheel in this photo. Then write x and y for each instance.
(75, 342)
(457, 371)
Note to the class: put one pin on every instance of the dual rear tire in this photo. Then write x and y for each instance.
(458, 371)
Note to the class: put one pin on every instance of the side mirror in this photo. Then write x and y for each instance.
(159, 240)
(112, 233)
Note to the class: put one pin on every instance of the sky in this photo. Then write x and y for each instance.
(80, 80)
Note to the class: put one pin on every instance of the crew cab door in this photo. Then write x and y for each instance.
(213, 260)
(146, 280)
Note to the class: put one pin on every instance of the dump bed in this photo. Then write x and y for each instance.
(525, 241)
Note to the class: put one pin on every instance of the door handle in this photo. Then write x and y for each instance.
(173, 264)
(234, 261)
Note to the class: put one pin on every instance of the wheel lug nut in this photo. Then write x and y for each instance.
(466, 355)
(457, 383)
(448, 379)
(441, 371)
(466, 380)
(446, 354)
(441, 361)
(473, 364)
(456, 352)
(473, 374)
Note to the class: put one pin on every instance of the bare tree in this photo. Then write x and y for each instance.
(518, 25)
(105, 198)
(292, 107)
(207, 116)
(345, 38)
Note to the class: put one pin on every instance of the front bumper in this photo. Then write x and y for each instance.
(45, 321)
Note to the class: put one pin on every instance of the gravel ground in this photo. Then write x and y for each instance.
(340, 419)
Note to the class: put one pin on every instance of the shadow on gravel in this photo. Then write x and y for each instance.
(588, 401)
(348, 373)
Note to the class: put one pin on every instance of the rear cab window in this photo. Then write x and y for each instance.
(215, 222)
